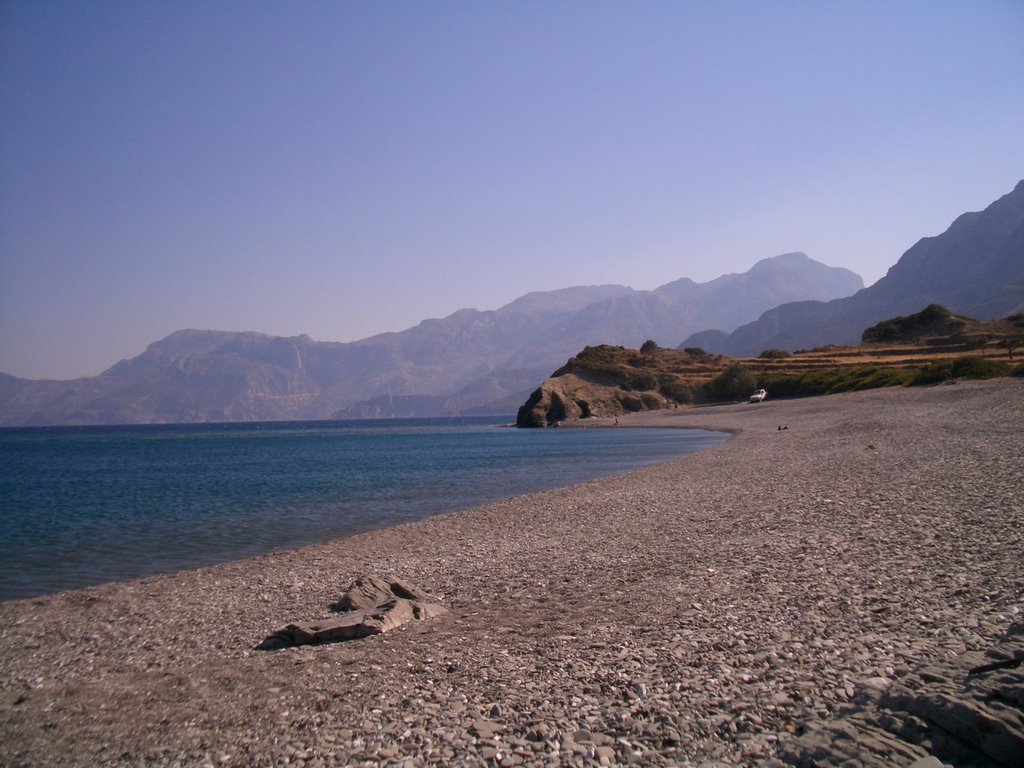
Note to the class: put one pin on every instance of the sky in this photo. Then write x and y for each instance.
(342, 169)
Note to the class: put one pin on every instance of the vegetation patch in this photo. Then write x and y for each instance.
(680, 391)
(639, 381)
(603, 359)
(673, 373)
(933, 320)
(736, 382)
(961, 368)
(607, 380)
(831, 381)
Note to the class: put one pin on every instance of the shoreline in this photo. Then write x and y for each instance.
(705, 609)
(325, 492)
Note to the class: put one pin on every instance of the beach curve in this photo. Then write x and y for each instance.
(709, 609)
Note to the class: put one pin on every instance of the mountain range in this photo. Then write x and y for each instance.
(974, 268)
(471, 361)
(489, 361)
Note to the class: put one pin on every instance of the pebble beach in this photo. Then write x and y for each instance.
(752, 604)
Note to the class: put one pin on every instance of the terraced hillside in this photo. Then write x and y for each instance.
(929, 347)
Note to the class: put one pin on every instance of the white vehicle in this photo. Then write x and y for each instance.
(758, 396)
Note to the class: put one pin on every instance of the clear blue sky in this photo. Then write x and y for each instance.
(346, 168)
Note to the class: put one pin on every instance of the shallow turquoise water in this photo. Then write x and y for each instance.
(85, 505)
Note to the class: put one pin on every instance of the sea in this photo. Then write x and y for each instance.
(87, 505)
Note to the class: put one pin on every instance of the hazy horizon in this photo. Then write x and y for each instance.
(349, 169)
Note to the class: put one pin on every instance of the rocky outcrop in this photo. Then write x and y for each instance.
(609, 381)
(968, 711)
(925, 348)
(933, 320)
(371, 606)
(570, 397)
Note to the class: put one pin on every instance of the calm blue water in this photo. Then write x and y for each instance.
(86, 505)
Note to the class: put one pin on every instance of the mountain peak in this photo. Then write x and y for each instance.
(565, 299)
(793, 259)
(975, 268)
(189, 341)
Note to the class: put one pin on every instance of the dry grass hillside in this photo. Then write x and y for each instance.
(929, 347)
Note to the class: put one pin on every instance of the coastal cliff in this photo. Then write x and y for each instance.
(612, 381)
(927, 347)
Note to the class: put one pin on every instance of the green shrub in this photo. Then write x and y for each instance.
(639, 380)
(933, 373)
(979, 341)
(883, 377)
(773, 354)
(782, 386)
(600, 359)
(934, 318)
(631, 403)
(645, 361)
(961, 368)
(979, 368)
(651, 401)
(678, 391)
(734, 383)
(1012, 343)
(833, 380)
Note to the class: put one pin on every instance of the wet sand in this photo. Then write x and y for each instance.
(708, 610)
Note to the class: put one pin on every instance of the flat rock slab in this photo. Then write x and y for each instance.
(968, 711)
(371, 590)
(373, 605)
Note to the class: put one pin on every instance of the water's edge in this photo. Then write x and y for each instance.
(148, 501)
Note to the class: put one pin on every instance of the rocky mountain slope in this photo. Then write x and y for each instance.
(468, 362)
(976, 267)
(664, 314)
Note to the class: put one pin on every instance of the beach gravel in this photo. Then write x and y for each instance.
(759, 603)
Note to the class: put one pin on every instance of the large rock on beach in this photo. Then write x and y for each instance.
(373, 605)
(370, 591)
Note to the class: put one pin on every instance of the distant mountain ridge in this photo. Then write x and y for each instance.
(975, 268)
(471, 361)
